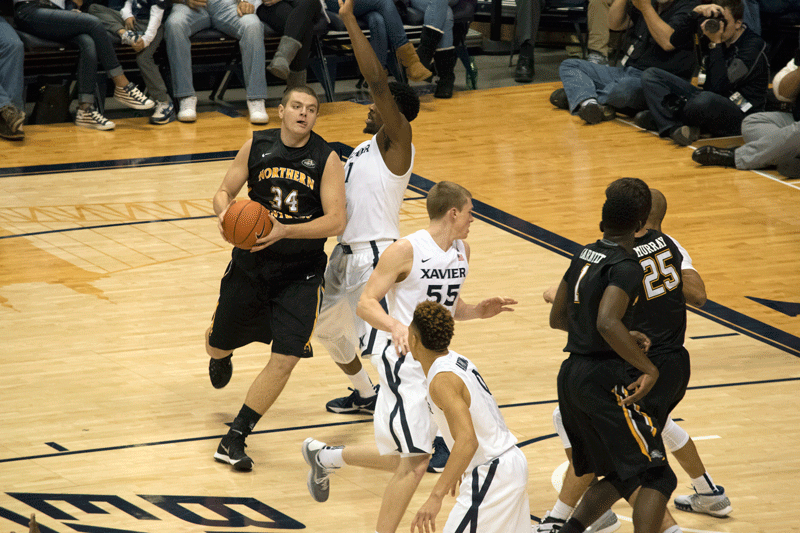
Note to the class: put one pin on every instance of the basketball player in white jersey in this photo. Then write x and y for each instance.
(376, 177)
(493, 496)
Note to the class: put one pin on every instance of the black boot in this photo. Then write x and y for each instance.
(445, 64)
(428, 41)
(524, 70)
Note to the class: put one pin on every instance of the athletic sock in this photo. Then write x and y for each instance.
(588, 101)
(561, 510)
(245, 421)
(331, 456)
(704, 484)
(363, 384)
(674, 529)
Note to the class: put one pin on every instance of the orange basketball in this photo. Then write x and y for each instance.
(244, 222)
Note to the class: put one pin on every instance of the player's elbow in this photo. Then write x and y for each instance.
(605, 326)
(696, 298)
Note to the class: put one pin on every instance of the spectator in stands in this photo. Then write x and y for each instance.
(598, 32)
(57, 21)
(12, 114)
(595, 92)
(138, 25)
(436, 43)
(772, 138)
(235, 18)
(372, 11)
(294, 20)
(529, 13)
(737, 74)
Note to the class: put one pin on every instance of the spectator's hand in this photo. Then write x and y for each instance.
(245, 8)
(708, 10)
(130, 23)
(196, 4)
(641, 5)
(139, 45)
(345, 8)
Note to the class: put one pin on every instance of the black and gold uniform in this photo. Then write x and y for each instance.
(273, 296)
(608, 439)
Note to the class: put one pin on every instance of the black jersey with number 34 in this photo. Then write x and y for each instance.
(287, 181)
(592, 270)
(661, 311)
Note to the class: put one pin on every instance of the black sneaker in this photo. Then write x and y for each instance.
(594, 113)
(353, 404)
(685, 135)
(559, 99)
(220, 371)
(440, 455)
(645, 120)
(231, 451)
(714, 157)
(549, 524)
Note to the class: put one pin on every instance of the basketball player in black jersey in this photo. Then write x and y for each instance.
(271, 294)
(611, 435)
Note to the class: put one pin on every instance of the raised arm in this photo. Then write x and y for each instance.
(331, 223)
(450, 394)
(618, 19)
(396, 128)
(393, 266)
(658, 28)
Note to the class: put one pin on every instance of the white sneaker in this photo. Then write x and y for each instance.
(605, 524)
(549, 524)
(91, 118)
(318, 481)
(716, 504)
(258, 115)
(188, 110)
(129, 37)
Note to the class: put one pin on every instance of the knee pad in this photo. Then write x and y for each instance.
(674, 436)
(558, 423)
(662, 479)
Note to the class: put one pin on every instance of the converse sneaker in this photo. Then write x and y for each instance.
(258, 115)
(132, 97)
(91, 118)
(716, 504)
(318, 481)
(605, 524)
(188, 109)
(231, 451)
(441, 453)
(220, 371)
(129, 37)
(163, 114)
(353, 404)
(549, 524)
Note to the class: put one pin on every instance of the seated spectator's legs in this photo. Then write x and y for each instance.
(12, 54)
(529, 12)
(378, 37)
(771, 138)
(250, 33)
(597, 22)
(156, 87)
(663, 93)
(584, 80)
(437, 33)
(182, 23)
(394, 24)
(295, 20)
(713, 114)
(111, 19)
(626, 95)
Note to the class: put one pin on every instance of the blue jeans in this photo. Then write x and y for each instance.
(438, 16)
(619, 87)
(221, 15)
(393, 24)
(12, 53)
(81, 29)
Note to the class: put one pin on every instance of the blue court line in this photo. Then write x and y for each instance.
(715, 312)
(347, 423)
(715, 336)
(57, 447)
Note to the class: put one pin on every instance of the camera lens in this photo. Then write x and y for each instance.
(712, 25)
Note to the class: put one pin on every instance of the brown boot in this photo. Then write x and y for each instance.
(415, 70)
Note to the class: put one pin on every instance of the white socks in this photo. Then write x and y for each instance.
(561, 510)
(588, 101)
(363, 384)
(331, 457)
(703, 484)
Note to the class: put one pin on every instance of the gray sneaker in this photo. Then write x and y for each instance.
(318, 481)
(605, 524)
(715, 504)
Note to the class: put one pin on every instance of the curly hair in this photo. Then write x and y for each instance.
(406, 98)
(435, 325)
(628, 203)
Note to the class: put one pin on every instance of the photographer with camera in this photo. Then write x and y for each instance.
(737, 73)
(772, 138)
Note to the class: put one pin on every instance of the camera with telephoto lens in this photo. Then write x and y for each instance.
(715, 22)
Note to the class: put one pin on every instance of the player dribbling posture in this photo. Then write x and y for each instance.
(271, 294)
(493, 496)
(611, 435)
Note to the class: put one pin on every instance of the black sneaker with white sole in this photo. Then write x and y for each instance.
(231, 451)
(441, 453)
(353, 404)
